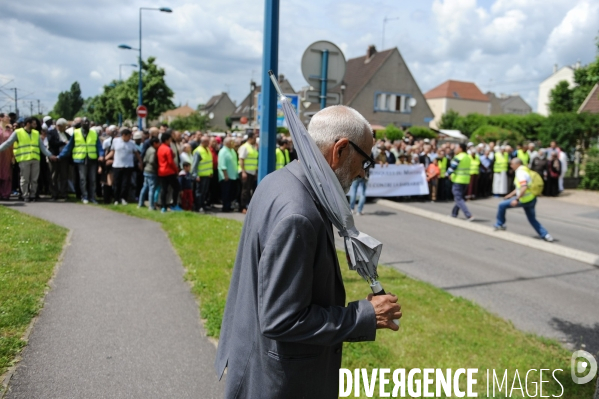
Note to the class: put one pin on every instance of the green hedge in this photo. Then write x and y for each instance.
(421, 132)
(488, 133)
(590, 180)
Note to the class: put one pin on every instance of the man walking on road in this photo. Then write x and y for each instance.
(27, 154)
(524, 199)
(459, 171)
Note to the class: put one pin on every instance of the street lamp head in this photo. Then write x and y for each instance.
(165, 9)
(134, 65)
(125, 47)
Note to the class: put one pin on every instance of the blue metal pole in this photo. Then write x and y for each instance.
(268, 122)
(139, 96)
(324, 75)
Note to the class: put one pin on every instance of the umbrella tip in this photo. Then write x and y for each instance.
(270, 73)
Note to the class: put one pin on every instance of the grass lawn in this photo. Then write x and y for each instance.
(438, 330)
(29, 250)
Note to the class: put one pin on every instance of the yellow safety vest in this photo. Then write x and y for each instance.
(251, 161)
(501, 162)
(287, 159)
(442, 162)
(462, 173)
(475, 165)
(280, 159)
(28, 148)
(523, 157)
(205, 164)
(85, 147)
(528, 196)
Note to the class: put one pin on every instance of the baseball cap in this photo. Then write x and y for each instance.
(137, 135)
(47, 118)
(470, 144)
(427, 141)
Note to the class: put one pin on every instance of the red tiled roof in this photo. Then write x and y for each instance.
(458, 90)
(591, 103)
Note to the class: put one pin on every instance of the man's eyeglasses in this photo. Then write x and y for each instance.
(368, 161)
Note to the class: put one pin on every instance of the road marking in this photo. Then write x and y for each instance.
(552, 248)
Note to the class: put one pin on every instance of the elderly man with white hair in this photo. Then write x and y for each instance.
(58, 138)
(286, 316)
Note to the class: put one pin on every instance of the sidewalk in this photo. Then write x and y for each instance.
(580, 197)
(119, 321)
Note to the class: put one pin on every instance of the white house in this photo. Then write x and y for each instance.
(564, 73)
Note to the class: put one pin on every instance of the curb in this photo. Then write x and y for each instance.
(50, 285)
(555, 249)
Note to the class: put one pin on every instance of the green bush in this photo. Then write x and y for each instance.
(488, 133)
(469, 123)
(193, 122)
(590, 180)
(421, 132)
(392, 132)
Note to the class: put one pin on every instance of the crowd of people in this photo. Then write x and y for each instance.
(157, 167)
(490, 174)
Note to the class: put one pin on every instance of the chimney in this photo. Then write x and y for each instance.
(554, 68)
(281, 78)
(370, 52)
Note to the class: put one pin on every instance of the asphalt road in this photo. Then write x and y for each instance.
(575, 226)
(119, 322)
(540, 293)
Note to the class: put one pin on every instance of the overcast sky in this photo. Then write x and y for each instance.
(210, 46)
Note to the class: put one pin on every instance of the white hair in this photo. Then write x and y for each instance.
(335, 122)
(61, 122)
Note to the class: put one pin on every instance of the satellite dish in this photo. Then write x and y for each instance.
(211, 115)
(307, 104)
(412, 102)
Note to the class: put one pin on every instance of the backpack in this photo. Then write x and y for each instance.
(537, 184)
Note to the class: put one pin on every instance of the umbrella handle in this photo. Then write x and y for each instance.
(275, 82)
(377, 289)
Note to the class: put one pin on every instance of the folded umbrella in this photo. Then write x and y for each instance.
(362, 251)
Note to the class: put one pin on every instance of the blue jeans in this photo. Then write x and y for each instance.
(148, 188)
(358, 185)
(529, 210)
(458, 191)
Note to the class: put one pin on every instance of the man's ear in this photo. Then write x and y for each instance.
(337, 153)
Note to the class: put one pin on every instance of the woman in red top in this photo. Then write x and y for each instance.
(167, 172)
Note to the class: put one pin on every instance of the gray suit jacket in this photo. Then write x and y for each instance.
(285, 318)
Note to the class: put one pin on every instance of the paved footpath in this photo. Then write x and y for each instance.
(119, 322)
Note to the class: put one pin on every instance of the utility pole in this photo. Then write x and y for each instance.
(16, 107)
(31, 108)
(39, 110)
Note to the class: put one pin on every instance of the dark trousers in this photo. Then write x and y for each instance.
(473, 186)
(201, 191)
(247, 190)
(458, 191)
(165, 182)
(215, 195)
(122, 183)
(87, 179)
(228, 190)
(485, 181)
(44, 180)
(444, 188)
(60, 176)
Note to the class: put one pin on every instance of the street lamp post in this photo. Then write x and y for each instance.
(124, 46)
(252, 88)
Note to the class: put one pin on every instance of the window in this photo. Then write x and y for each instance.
(456, 95)
(392, 102)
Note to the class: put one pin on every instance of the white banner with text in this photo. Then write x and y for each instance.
(397, 181)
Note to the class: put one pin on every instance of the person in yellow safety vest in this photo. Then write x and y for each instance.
(28, 146)
(86, 150)
(444, 182)
(474, 173)
(282, 154)
(521, 197)
(500, 166)
(523, 155)
(459, 171)
(202, 171)
(248, 163)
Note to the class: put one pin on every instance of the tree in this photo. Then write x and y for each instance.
(449, 120)
(421, 132)
(561, 98)
(69, 102)
(121, 97)
(393, 133)
(488, 133)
